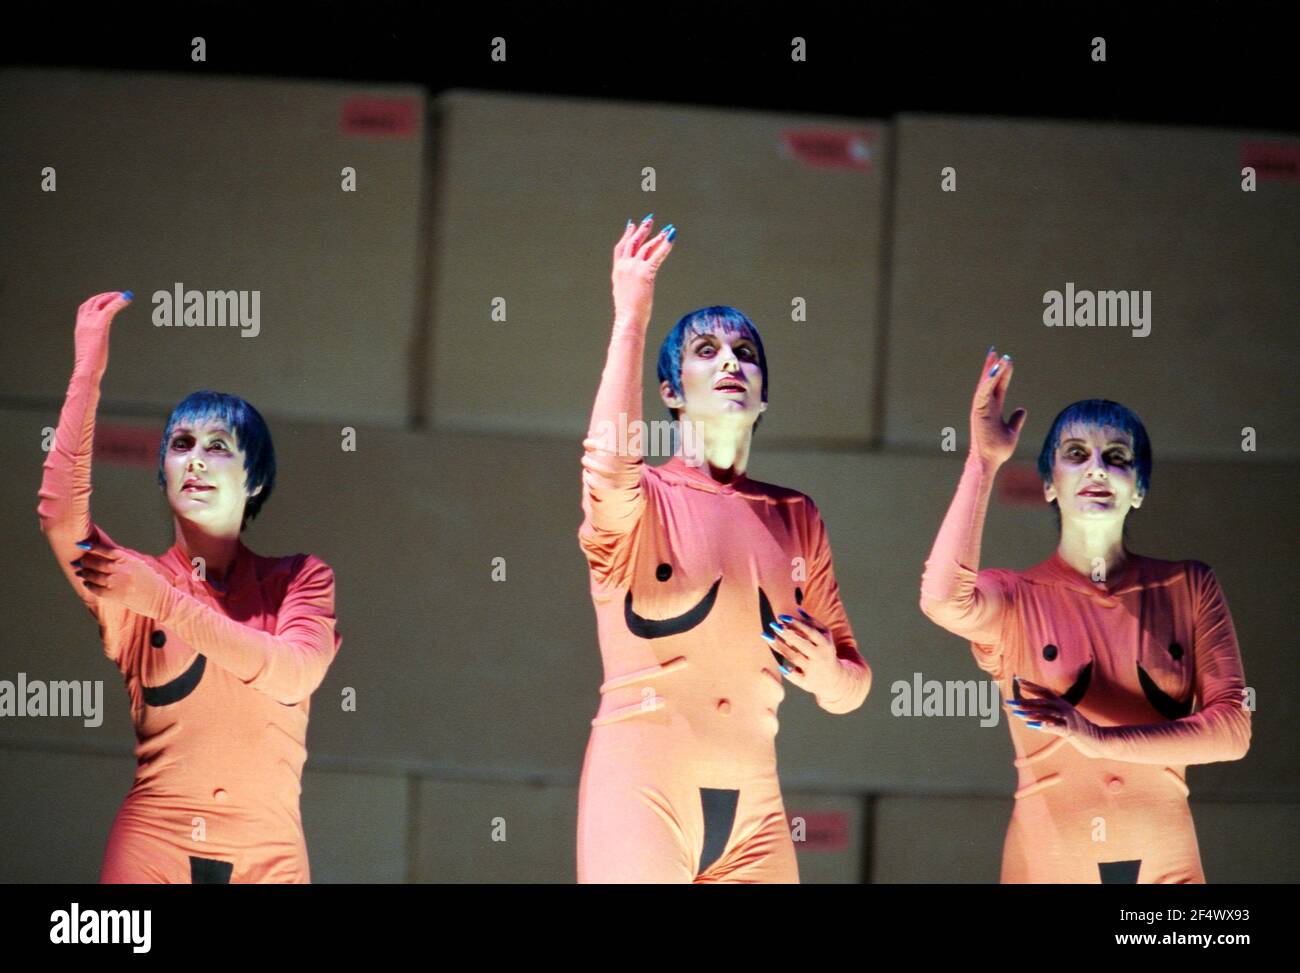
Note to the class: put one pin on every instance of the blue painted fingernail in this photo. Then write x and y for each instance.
(805, 614)
(776, 625)
(995, 369)
(1034, 725)
(647, 218)
(784, 669)
(990, 351)
(771, 639)
(127, 295)
(77, 563)
(84, 545)
(672, 234)
(786, 618)
(1006, 358)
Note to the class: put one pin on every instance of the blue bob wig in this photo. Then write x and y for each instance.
(707, 320)
(251, 436)
(1102, 414)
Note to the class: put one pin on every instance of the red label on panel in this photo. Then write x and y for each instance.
(1020, 486)
(1272, 160)
(380, 117)
(821, 830)
(830, 148)
(127, 445)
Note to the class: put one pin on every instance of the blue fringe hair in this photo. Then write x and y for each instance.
(707, 320)
(1098, 413)
(251, 435)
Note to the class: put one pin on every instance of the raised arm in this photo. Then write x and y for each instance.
(612, 500)
(953, 592)
(64, 507)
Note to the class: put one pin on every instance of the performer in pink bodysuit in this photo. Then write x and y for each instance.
(708, 586)
(1123, 669)
(220, 648)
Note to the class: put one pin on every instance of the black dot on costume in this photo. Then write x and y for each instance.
(798, 596)
(1175, 650)
(158, 639)
(664, 572)
(1049, 652)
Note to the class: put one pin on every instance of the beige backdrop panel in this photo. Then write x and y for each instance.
(217, 184)
(1107, 207)
(535, 193)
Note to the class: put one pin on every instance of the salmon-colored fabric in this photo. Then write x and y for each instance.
(219, 684)
(1150, 656)
(682, 568)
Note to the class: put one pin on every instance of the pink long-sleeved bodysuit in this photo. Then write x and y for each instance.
(1150, 656)
(219, 685)
(679, 783)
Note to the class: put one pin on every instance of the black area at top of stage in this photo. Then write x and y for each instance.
(1207, 63)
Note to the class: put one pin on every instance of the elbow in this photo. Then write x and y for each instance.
(1243, 737)
(293, 684)
(856, 696)
(299, 691)
(937, 610)
(49, 524)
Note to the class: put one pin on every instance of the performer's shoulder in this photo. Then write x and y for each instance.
(290, 566)
(1159, 570)
(780, 494)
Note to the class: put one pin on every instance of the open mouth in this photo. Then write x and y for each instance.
(196, 488)
(1096, 494)
(729, 387)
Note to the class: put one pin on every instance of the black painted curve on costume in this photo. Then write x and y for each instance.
(1165, 705)
(657, 628)
(178, 688)
(1072, 695)
(766, 617)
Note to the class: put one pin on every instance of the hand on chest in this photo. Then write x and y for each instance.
(169, 668)
(1121, 660)
(728, 570)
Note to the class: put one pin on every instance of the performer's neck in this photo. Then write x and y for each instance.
(217, 550)
(1085, 546)
(719, 447)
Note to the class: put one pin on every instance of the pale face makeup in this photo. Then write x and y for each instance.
(1094, 476)
(721, 379)
(204, 471)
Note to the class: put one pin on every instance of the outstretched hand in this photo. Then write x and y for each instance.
(991, 438)
(637, 258)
